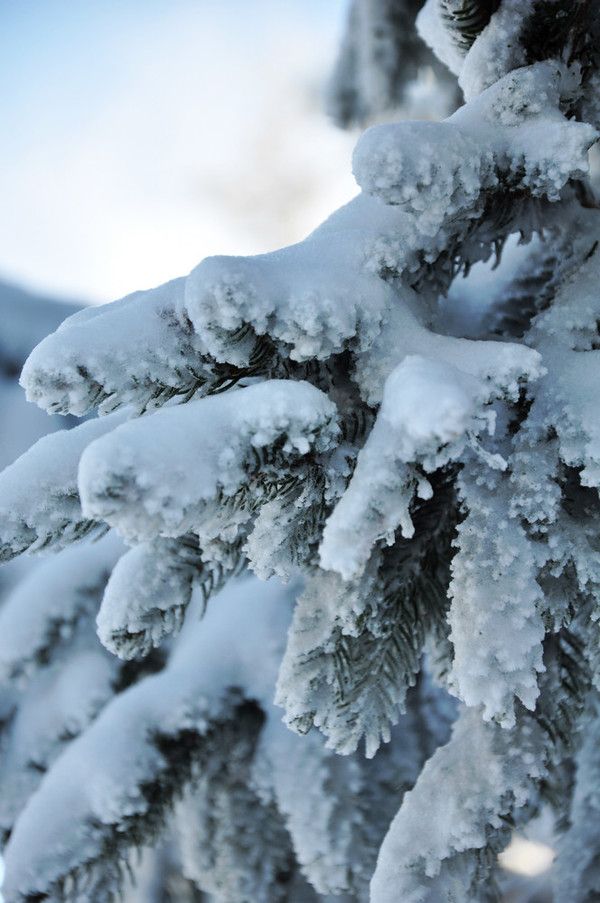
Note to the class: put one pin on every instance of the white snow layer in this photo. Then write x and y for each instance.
(466, 786)
(39, 500)
(139, 347)
(46, 607)
(428, 410)
(152, 476)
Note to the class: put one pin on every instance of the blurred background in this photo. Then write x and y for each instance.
(140, 136)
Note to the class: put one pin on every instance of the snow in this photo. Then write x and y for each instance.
(284, 531)
(313, 298)
(466, 786)
(428, 410)
(39, 501)
(425, 478)
(146, 597)
(401, 164)
(566, 336)
(432, 31)
(56, 707)
(318, 791)
(578, 875)
(64, 374)
(513, 127)
(168, 465)
(495, 617)
(49, 604)
(497, 50)
(504, 365)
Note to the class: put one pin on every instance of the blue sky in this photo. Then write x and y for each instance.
(141, 135)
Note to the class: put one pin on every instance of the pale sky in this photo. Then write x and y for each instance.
(140, 136)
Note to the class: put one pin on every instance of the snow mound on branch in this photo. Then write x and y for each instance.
(39, 500)
(428, 409)
(96, 789)
(66, 372)
(153, 475)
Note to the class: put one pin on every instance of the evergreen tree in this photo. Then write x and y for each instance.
(365, 500)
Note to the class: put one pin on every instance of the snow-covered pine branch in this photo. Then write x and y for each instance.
(354, 647)
(47, 608)
(40, 504)
(398, 416)
(150, 588)
(99, 799)
(155, 475)
(168, 719)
